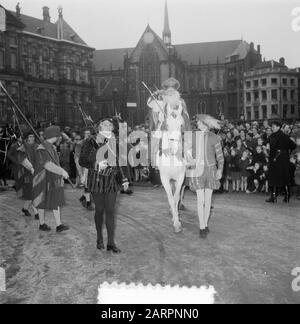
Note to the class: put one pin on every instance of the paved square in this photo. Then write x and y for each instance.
(248, 257)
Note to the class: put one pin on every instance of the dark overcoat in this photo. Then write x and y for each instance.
(281, 146)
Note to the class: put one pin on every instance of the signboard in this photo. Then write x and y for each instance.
(2, 20)
(131, 105)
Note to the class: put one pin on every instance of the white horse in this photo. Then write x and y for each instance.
(170, 119)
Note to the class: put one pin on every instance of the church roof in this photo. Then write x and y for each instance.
(48, 29)
(209, 52)
(110, 58)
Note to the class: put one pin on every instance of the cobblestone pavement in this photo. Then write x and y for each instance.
(248, 257)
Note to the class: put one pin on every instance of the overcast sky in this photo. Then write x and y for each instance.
(120, 23)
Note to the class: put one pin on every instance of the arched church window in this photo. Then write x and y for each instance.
(1, 59)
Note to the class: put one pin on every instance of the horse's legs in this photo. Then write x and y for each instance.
(167, 185)
(182, 191)
(178, 183)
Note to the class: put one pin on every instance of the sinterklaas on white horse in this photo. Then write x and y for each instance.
(169, 120)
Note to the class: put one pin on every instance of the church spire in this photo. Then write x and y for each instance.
(167, 30)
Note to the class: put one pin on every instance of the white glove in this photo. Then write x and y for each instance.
(103, 165)
(65, 174)
(126, 186)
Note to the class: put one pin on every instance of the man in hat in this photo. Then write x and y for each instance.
(105, 179)
(86, 197)
(48, 182)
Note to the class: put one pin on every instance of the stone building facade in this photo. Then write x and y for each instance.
(47, 68)
(272, 91)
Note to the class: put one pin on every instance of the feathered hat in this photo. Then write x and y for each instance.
(209, 121)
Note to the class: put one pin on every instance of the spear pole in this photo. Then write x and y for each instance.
(28, 122)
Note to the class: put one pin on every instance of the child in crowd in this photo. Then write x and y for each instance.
(254, 179)
(235, 170)
(244, 165)
(265, 179)
(226, 172)
(259, 156)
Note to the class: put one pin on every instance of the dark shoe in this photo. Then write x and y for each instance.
(272, 199)
(203, 234)
(45, 228)
(37, 217)
(89, 206)
(182, 207)
(128, 192)
(81, 199)
(61, 228)
(207, 230)
(113, 249)
(287, 195)
(26, 212)
(100, 246)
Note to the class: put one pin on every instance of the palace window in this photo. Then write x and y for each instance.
(293, 110)
(263, 82)
(255, 83)
(34, 51)
(69, 73)
(46, 54)
(248, 96)
(264, 95)
(13, 61)
(256, 95)
(284, 81)
(45, 71)
(264, 110)
(248, 84)
(292, 82)
(285, 111)
(284, 94)
(13, 41)
(292, 94)
(274, 109)
(2, 60)
(34, 69)
(46, 96)
(77, 75)
(256, 113)
(274, 95)
(249, 115)
(274, 81)
(36, 95)
(232, 72)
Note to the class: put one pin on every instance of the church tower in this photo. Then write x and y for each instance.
(167, 31)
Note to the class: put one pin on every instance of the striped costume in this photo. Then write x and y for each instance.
(48, 188)
(213, 160)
